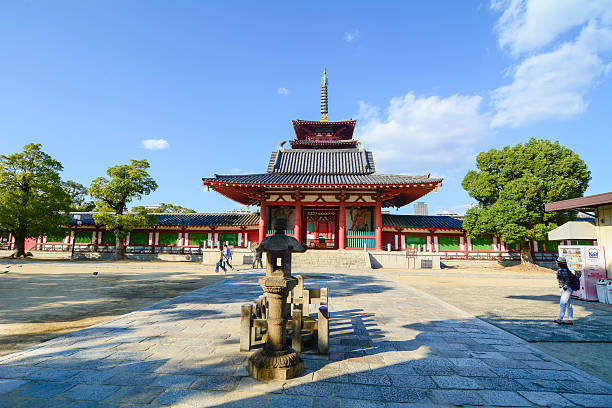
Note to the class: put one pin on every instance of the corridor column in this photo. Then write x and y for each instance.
(378, 228)
(297, 227)
(262, 221)
(342, 227)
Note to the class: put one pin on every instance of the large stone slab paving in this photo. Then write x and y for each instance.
(390, 345)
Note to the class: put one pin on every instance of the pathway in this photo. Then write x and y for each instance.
(390, 345)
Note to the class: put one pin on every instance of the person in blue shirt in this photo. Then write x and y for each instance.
(565, 303)
(227, 252)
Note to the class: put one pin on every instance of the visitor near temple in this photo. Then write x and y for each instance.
(565, 303)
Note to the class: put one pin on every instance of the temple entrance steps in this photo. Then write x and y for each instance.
(351, 259)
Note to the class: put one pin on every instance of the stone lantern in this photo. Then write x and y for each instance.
(276, 360)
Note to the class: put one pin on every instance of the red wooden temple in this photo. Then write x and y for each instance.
(325, 185)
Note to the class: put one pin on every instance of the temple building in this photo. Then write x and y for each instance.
(326, 186)
(324, 182)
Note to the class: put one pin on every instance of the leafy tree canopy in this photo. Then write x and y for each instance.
(33, 201)
(166, 208)
(78, 195)
(512, 185)
(125, 183)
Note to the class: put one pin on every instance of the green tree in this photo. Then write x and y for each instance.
(32, 199)
(513, 184)
(165, 208)
(125, 183)
(78, 195)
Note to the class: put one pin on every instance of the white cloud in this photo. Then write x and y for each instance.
(563, 46)
(457, 209)
(351, 36)
(553, 84)
(527, 25)
(155, 144)
(420, 134)
(283, 91)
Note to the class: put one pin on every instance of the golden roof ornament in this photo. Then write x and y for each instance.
(324, 96)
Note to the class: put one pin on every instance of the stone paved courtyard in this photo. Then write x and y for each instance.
(390, 346)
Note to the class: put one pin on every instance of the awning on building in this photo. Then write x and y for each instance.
(573, 230)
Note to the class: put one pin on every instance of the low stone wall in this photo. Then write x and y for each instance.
(475, 263)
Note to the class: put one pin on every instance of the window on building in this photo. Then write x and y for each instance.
(481, 244)
(309, 227)
(416, 241)
(231, 239)
(55, 238)
(167, 238)
(448, 242)
(140, 238)
(582, 242)
(82, 237)
(197, 239)
(548, 246)
(109, 238)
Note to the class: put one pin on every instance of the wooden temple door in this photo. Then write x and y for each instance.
(321, 229)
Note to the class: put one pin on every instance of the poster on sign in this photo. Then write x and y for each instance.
(590, 262)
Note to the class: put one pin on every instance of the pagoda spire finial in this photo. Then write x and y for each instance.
(324, 96)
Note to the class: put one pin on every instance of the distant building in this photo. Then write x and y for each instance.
(420, 208)
(154, 206)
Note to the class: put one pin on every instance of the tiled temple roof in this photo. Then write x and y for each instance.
(322, 179)
(203, 219)
(328, 161)
(252, 219)
(421, 221)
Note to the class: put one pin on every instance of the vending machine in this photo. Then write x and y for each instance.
(590, 262)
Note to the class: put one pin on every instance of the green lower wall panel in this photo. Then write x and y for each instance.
(197, 239)
(448, 242)
(82, 237)
(168, 238)
(231, 239)
(139, 238)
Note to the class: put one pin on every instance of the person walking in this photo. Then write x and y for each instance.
(221, 262)
(565, 303)
(256, 255)
(227, 252)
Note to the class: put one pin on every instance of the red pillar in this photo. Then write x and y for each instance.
(297, 227)
(342, 227)
(262, 222)
(378, 227)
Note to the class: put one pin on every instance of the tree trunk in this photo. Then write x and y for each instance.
(526, 258)
(119, 248)
(19, 247)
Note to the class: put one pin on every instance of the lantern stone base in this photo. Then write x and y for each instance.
(275, 365)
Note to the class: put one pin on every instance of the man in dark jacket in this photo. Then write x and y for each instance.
(564, 279)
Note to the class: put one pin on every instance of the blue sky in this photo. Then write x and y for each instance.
(431, 84)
